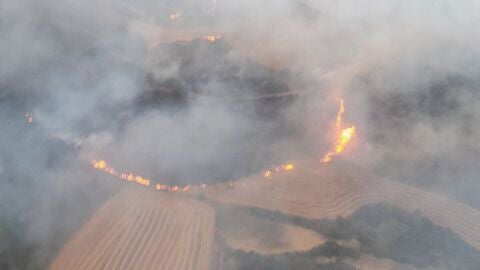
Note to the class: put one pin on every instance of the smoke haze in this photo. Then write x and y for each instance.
(102, 81)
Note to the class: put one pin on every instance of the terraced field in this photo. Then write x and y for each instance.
(317, 191)
(311, 190)
(139, 229)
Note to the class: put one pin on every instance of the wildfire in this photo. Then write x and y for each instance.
(343, 135)
(29, 118)
(174, 16)
(209, 38)
(283, 168)
(288, 166)
(102, 165)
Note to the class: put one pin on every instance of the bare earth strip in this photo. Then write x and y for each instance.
(315, 190)
(141, 229)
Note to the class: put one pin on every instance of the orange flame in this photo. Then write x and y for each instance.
(344, 136)
(29, 118)
(283, 168)
(102, 165)
(341, 111)
(175, 16)
(288, 166)
(211, 38)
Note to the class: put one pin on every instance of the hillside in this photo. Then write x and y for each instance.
(317, 191)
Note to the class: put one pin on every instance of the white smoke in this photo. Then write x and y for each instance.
(408, 71)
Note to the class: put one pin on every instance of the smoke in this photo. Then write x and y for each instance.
(408, 73)
(414, 91)
(54, 65)
(102, 82)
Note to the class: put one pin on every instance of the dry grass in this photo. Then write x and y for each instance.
(139, 229)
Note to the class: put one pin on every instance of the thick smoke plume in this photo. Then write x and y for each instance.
(101, 80)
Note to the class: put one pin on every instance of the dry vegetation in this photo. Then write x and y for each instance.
(327, 191)
(143, 230)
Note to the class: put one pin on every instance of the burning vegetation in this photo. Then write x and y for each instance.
(342, 135)
(29, 118)
(102, 165)
(185, 105)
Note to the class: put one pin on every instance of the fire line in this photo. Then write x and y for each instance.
(102, 165)
(343, 137)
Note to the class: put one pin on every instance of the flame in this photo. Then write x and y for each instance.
(341, 111)
(288, 166)
(29, 118)
(283, 168)
(102, 165)
(211, 38)
(174, 16)
(343, 135)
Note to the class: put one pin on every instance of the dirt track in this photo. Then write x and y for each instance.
(140, 229)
